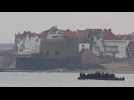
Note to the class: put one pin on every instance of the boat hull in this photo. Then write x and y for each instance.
(112, 79)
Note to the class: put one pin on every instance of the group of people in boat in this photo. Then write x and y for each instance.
(99, 75)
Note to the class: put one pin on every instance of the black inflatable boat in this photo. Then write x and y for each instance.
(99, 76)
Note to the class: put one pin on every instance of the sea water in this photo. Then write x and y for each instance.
(55, 79)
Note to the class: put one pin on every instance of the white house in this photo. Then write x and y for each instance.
(98, 46)
(27, 43)
(117, 47)
(85, 46)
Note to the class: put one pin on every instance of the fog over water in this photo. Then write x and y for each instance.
(12, 22)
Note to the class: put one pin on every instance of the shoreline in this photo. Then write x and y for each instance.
(119, 68)
(69, 71)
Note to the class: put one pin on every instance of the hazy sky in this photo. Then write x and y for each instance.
(13, 22)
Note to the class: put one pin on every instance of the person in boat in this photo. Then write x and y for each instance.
(82, 75)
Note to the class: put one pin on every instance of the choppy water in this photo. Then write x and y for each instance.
(57, 80)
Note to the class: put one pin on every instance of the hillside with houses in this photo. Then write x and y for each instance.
(57, 48)
(100, 42)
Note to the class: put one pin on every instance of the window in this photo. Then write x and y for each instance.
(83, 45)
(54, 36)
(47, 53)
(111, 49)
(57, 53)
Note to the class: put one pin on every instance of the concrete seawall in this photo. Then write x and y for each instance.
(7, 59)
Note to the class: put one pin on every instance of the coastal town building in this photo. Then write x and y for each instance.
(27, 43)
(115, 45)
(56, 44)
(55, 33)
(130, 49)
(69, 48)
(84, 46)
(100, 42)
(116, 48)
(93, 37)
(130, 52)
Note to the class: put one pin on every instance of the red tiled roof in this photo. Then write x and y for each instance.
(44, 34)
(78, 34)
(70, 34)
(109, 36)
